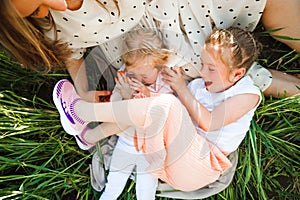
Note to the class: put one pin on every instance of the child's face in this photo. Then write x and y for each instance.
(144, 72)
(215, 73)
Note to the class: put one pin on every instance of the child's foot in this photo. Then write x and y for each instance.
(81, 142)
(65, 97)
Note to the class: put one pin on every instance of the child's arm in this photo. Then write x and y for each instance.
(227, 112)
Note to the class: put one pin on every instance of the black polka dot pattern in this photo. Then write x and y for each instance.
(184, 24)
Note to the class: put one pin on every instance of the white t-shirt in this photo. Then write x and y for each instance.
(184, 24)
(229, 137)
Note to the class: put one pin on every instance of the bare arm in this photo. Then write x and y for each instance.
(77, 71)
(227, 112)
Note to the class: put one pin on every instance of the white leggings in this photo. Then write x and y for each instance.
(125, 159)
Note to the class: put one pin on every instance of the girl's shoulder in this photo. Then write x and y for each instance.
(244, 86)
(244, 91)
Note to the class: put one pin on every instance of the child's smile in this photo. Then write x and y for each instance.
(207, 84)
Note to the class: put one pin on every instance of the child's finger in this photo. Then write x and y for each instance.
(167, 70)
(137, 82)
(178, 70)
(166, 73)
(173, 72)
(117, 90)
(134, 84)
(121, 72)
(121, 78)
(129, 80)
(117, 81)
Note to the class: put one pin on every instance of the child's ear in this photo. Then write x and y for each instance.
(237, 74)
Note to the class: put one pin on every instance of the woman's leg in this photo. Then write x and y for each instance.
(283, 85)
(283, 14)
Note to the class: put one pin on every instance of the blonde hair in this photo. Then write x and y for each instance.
(142, 44)
(25, 39)
(235, 47)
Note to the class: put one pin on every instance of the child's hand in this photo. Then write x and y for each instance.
(122, 86)
(138, 86)
(174, 78)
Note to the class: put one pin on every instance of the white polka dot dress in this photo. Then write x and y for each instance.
(183, 24)
(92, 24)
(194, 19)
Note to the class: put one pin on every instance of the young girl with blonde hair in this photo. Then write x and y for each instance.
(140, 77)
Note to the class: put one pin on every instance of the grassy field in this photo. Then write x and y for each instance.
(38, 160)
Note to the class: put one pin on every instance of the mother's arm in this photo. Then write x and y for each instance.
(77, 71)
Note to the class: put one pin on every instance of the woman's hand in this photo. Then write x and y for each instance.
(96, 96)
(174, 78)
(77, 71)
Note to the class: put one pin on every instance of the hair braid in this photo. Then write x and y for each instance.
(237, 47)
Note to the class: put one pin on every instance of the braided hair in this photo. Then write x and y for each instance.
(235, 47)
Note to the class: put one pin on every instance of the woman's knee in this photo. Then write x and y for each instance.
(283, 18)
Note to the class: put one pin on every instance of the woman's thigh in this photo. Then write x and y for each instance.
(283, 15)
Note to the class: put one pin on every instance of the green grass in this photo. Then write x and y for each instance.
(38, 160)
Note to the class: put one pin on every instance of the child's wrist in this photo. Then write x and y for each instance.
(180, 89)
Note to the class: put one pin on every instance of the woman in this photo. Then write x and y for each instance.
(185, 25)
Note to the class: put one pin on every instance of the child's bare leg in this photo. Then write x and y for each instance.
(75, 113)
(122, 114)
(102, 131)
(282, 84)
(128, 112)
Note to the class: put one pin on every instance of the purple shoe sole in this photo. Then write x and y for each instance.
(81, 142)
(71, 123)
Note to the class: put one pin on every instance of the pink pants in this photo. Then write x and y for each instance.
(177, 154)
